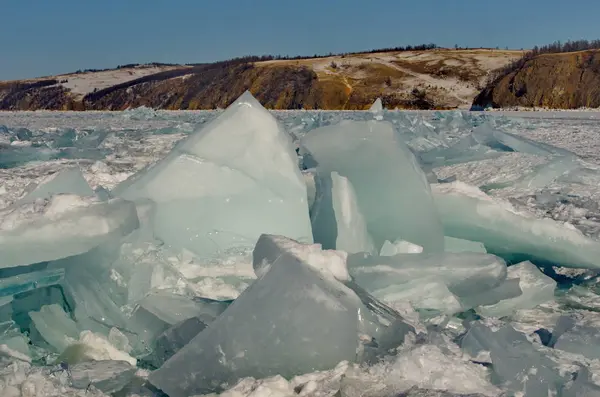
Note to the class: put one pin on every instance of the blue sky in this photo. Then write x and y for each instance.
(44, 37)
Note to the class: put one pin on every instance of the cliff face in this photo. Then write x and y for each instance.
(558, 81)
(412, 79)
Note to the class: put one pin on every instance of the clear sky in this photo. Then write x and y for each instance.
(45, 37)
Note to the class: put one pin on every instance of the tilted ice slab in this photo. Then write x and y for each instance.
(62, 226)
(336, 219)
(428, 281)
(536, 287)
(470, 214)
(226, 184)
(260, 335)
(392, 191)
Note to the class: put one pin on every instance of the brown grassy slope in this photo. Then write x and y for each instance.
(411, 79)
(559, 81)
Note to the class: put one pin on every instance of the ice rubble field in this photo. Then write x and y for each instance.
(253, 253)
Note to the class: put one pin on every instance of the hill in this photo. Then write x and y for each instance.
(423, 79)
(558, 76)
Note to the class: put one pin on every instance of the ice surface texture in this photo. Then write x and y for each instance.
(391, 189)
(259, 335)
(226, 184)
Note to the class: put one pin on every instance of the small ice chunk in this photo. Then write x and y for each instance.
(509, 289)
(399, 247)
(458, 245)
(259, 336)
(421, 294)
(67, 181)
(63, 226)
(470, 214)
(337, 221)
(226, 184)
(391, 189)
(536, 286)
(107, 376)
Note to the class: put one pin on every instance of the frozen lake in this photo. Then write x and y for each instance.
(534, 165)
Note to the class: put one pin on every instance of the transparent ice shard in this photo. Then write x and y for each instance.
(337, 221)
(392, 191)
(67, 181)
(399, 247)
(421, 294)
(467, 213)
(107, 376)
(259, 336)
(226, 184)
(536, 286)
(516, 364)
(452, 244)
(582, 386)
(55, 327)
(63, 226)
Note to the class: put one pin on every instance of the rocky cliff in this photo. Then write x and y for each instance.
(559, 81)
(439, 78)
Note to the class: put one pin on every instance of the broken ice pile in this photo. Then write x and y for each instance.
(101, 288)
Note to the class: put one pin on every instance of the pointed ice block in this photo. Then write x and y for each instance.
(63, 226)
(259, 336)
(467, 213)
(226, 184)
(392, 191)
(337, 221)
(68, 181)
(377, 106)
(536, 286)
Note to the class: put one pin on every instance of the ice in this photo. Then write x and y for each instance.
(392, 191)
(399, 247)
(29, 281)
(456, 245)
(537, 289)
(337, 221)
(463, 273)
(55, 327)
(63, 226)
(516, 364)
(68, 181)
(470, 214)
(106, 376)
(376, 107)
(577, 339)
(258, 336)
(173, 339)
(93, 347)
(226, 184)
